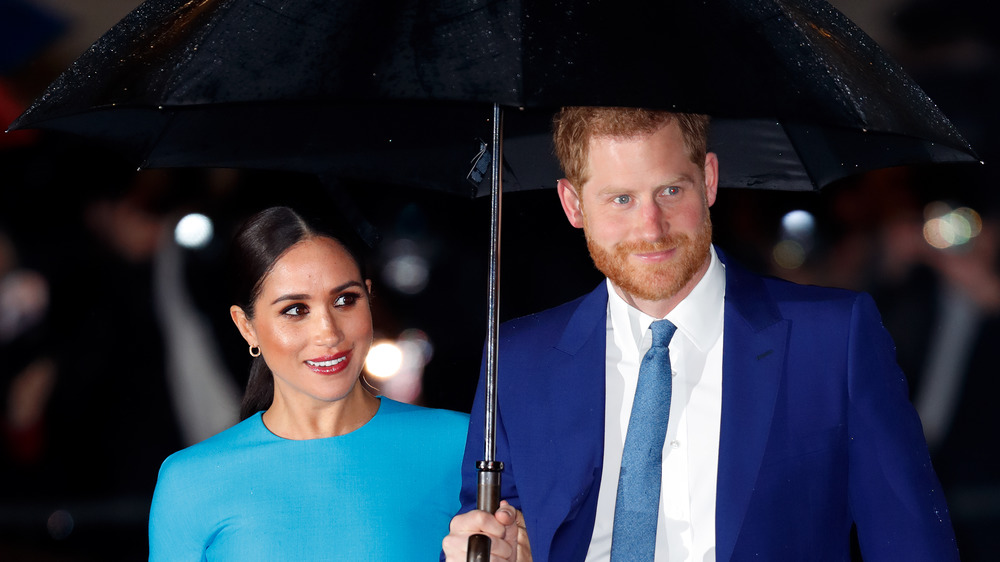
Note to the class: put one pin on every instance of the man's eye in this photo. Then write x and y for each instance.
(295, 310)
(673, 190)
(347, 299)
(622, 199)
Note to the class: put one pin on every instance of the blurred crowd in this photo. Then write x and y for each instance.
(103, 317)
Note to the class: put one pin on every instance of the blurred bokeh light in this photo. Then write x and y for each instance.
(945, 227)
(798, 230)
(384, 359)
(194, 231)
(406, 270)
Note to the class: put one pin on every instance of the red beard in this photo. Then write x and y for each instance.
(658, 281)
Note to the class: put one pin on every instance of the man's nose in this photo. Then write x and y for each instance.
(653, 223)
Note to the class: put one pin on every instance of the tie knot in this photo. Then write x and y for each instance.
(663, 330)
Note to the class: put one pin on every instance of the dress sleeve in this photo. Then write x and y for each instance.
(175, 532)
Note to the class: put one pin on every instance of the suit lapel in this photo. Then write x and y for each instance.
(754, 345)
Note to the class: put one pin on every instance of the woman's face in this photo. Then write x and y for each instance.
(312, 322)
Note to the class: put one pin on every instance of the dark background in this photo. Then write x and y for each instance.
(81, 451)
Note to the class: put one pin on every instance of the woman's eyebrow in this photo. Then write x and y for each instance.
(291, 297)
(346, 286)
(304, 296)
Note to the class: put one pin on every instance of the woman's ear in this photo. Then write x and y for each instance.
(244, 325)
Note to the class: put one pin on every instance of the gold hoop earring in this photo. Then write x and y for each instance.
(254, 351)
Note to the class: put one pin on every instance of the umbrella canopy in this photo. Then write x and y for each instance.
(402, 93)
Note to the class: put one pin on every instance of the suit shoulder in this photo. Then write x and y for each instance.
(764, 299)
(826, 305)
(788, 291)
(748, 288)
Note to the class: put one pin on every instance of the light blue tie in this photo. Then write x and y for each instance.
(638, 504)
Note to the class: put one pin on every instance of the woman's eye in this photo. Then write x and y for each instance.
(295, 310)
(347, 299)
(622, 199)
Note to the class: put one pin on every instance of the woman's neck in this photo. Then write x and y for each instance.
(316, 421)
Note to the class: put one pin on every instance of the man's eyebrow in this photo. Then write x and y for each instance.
(680, 178)
(305, 296)
(613, 188)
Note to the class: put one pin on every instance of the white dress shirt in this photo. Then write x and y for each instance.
(686, 525)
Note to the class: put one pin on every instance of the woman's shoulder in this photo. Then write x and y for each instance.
(394, 408)
(431, 437)
(223, 444)
(445, 425)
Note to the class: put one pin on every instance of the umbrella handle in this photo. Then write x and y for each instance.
(487, 499)
(479, 548)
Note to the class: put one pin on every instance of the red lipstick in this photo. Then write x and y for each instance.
(329, 364)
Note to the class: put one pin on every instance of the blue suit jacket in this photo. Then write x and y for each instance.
(817, 430)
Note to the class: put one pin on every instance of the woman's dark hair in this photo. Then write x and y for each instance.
(260, 241)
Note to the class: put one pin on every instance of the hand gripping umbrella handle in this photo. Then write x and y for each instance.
(487, 499)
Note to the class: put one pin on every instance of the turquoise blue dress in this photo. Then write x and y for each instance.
(386, 491)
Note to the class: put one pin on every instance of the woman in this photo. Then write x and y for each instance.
(319, 468)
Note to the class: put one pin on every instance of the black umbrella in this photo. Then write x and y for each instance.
(801, 96)
(409, 91)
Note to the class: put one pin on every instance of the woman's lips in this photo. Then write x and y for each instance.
(329, 364)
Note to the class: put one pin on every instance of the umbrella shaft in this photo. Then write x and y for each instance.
(488, 491)
(489, 431)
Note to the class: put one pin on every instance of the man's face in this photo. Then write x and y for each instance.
(644, 212)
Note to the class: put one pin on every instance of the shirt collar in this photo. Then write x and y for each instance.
(699, 316)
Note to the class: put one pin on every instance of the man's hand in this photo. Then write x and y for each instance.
(505, 529)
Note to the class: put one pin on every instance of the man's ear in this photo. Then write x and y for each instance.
(570, 202)
(243, 325)
(711, 177)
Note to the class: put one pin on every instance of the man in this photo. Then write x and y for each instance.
(787, 421)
